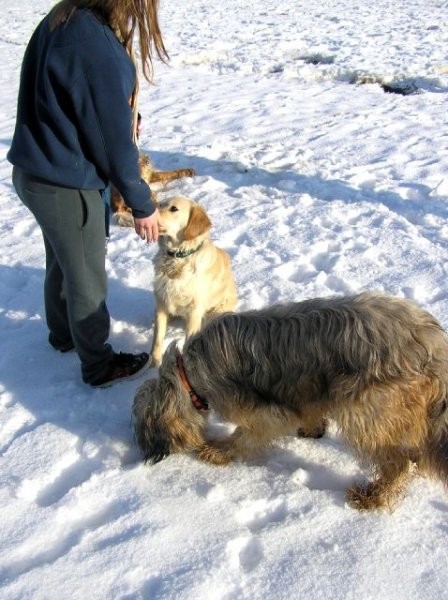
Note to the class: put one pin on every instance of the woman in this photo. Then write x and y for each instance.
(74, 135)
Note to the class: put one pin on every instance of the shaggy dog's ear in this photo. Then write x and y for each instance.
(149, 429)
(157, 447)
(198, 223)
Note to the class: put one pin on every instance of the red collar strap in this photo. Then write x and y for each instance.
(199, 403)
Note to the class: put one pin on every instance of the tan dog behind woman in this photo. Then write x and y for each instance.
(154, 178)
(193, 278)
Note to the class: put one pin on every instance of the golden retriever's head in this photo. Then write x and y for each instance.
(182, 220)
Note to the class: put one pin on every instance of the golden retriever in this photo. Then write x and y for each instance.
(192, 277)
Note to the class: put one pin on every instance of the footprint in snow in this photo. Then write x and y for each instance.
(261, 513)
(245, 553)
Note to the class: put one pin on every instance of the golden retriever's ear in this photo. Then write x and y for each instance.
(198, 223)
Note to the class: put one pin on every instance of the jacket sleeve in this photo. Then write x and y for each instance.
(101, 103)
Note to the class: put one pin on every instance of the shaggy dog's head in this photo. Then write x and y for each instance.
(164, 419)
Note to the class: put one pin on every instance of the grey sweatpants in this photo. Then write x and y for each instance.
(73, 227)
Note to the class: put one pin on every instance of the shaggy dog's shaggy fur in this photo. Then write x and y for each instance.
(122, 213)
(376, 365)
(192, 277)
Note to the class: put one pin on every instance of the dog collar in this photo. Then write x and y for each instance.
(199, 403)
(183, 253)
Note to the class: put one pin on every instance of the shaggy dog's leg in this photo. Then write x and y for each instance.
(313, 423)
(388, 435)
(212, 454)
(393, 470)
(257, 428)
(241, 444)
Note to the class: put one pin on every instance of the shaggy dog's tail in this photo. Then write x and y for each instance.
(436, 458)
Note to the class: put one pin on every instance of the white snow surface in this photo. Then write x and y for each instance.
(316, 185)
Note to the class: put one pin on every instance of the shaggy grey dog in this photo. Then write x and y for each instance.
(375, 365)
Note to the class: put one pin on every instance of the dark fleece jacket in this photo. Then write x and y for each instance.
(73, 124)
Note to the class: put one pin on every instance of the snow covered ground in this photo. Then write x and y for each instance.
(318, 182)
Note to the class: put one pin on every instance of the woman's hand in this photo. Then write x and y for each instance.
(148, 228)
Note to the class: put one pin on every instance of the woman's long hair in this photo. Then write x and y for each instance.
(125, 17)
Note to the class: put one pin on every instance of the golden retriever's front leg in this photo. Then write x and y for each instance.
(194, 322)
(160, 325)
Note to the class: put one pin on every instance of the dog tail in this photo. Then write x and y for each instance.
(436, 459)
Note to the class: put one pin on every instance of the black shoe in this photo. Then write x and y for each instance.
(61, 346)
(122, 367)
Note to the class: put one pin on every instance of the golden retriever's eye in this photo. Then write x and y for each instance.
(173, 209)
